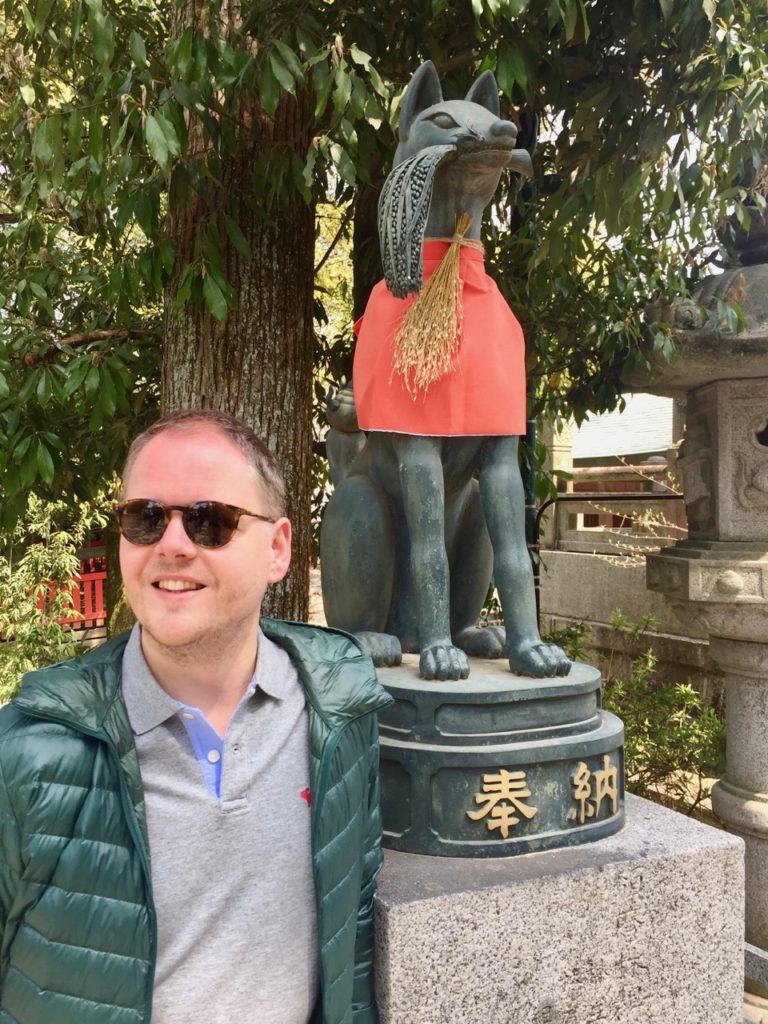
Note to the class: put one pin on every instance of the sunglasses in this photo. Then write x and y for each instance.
(209, 524)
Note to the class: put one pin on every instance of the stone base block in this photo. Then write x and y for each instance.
(644, 927)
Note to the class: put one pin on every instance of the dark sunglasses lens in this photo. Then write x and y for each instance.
(141, 521)
(210, 524)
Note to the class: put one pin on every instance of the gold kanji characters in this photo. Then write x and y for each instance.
(591, 788)
(503, 797)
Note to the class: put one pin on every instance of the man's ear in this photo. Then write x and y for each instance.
(485, 92)
(423, 91)
(281, 550)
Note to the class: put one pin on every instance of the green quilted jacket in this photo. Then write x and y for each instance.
(77, 924)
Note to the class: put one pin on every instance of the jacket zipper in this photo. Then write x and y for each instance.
(136, 834)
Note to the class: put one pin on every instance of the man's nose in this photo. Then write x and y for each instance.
(175, 540)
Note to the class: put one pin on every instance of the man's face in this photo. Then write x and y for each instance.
(223, 587)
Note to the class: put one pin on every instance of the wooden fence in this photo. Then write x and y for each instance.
(88, 589)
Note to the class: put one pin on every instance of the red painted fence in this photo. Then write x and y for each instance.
(89, 609)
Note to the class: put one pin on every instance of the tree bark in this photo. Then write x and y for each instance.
(258, 364)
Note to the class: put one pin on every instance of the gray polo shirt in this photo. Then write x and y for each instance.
(232, 877)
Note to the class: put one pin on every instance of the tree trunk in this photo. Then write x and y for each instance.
(258, 364)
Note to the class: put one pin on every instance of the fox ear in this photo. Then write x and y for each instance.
(485, 92)
(423, 91)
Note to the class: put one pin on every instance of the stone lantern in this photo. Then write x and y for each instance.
(718, 577)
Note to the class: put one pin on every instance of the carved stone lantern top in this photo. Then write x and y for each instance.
(703, 355)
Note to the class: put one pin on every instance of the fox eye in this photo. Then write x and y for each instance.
(443, 120)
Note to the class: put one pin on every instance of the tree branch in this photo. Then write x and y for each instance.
(125, 333)
(336, 238)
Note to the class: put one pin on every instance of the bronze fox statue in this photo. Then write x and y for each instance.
(423, 518)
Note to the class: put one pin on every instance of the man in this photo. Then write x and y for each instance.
(189, 824)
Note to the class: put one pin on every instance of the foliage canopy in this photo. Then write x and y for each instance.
(650, 111)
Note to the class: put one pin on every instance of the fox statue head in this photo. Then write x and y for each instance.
(448, 163)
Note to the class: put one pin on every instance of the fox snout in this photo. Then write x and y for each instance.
(505, 131)
(498, 135)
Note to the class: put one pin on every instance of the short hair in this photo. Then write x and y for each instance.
(264, 463)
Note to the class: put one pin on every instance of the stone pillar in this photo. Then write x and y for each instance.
(740, 798)
(718, 578)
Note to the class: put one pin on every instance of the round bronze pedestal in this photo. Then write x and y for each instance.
(498, 764)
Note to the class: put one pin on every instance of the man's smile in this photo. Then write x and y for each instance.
(177, 585)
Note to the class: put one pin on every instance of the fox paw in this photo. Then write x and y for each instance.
(383, 648)
(443, 661)
(488, 642)
(538, 659)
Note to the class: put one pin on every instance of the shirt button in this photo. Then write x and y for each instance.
(187, 714)
(214, 756)
(236, 748)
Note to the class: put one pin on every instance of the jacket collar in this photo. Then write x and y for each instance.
(85, 692)
(338, 677)
(82, 691)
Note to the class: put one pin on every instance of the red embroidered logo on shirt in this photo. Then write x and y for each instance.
(306, 796)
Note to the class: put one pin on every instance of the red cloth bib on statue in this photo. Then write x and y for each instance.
(485, 394)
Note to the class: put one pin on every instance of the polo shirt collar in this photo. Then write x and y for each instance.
(147, 703)
(270, 676)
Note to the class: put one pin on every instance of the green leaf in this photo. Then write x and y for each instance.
(571, 18)
(187, 95)
(344, 164)
(4, 389)
(144, 211)
(44, 463)
(359, 56)
(22, 448)
(74, 135)
(29, 21)
(107, 393)
(103, 32)
(156, 142)
(281, 73)
(27, 94)
(137, 49)
(184, 290)
(237, 238)
(76, 375)
(29, 467)
(41, 143)
(169, 131)
(180, 55)
(269, 89)
(343, 82)
(710, 8)
(92, 381)
(290, 60)
(323, 81)
(44, 388)
(214, 299)
(42, 10)
(308, 173)
(167, 255)
(377, 83)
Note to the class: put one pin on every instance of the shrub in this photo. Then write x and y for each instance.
(674, 744)
(41, 549)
